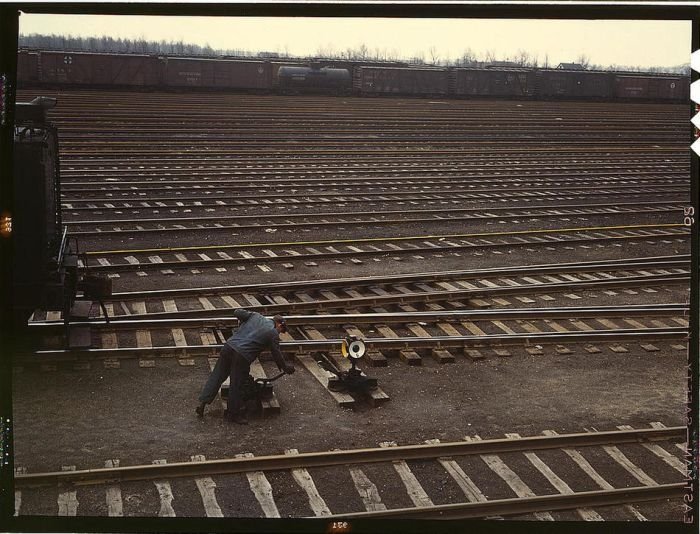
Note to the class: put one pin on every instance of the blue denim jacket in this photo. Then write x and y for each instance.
(254, 335)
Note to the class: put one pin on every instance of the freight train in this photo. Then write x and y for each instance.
(361, 78)
(48, 273)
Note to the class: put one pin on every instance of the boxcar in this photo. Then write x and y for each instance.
(492, 82)
(313, 80)
(27, 66)
(665, 88)
(187, 72)
(574, 84)
(81, 68)
(239, 74)
(397, 80)
(216, 73)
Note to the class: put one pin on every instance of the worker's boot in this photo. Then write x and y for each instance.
(200, 409)
(238, 417)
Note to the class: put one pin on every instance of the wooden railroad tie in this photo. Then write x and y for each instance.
(439, 354)
(320, 374)
(376, 396)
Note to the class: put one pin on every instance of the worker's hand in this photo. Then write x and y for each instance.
(289, 369)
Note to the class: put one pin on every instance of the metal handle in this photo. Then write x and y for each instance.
(268, 380)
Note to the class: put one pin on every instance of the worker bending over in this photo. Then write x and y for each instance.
(254, 335)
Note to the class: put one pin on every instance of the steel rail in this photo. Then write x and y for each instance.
(580, 210)
(196, 203)
(638, 310)
(615, 158)
(197, 104)
(125, 267)
(215, 176)
(419, 160)
(204, 186)
(336, 187)
(341, 173)
(457, 294)
(393, 110)
(298, 114)
(666, 262)
(346, 457)
(349, 127)
(525, 505)
(442, 221)
(382, 133)
(401, 343)
(351, 134)
(387, 197)
(515, 148)
(381, 140)
(396, 299)
(387, 134)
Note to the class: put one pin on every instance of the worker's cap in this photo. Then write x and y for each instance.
(280, 320)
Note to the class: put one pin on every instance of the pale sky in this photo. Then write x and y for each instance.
(604, 42)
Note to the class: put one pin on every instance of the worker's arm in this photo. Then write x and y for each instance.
(282, 364)
(242, 314)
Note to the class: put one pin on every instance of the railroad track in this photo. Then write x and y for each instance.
(178, 171)
(458, 288)
(390, 334)
(223, 222)
(279, 201)
(473, 478)
(176, 123)
(415, 183)
(615, 160)
(165, 260)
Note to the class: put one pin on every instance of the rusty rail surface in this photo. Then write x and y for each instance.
(347, 457)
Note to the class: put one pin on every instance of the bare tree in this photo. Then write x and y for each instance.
(522, 58)
(362, 51)
(418, 58)
(434, 55)
(583, 60)
(468, 58)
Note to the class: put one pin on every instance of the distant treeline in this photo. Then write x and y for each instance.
(129, 46)
(362, 53)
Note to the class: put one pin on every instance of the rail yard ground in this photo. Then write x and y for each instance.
(266, 202)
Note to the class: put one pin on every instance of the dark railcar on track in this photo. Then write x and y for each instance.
(187, 72)
(82, 68)
(44, 265)
(400, 81)
(367, 78)
(492, 82)
(313, 80)
(216, 73)
(27, 67)
(661, 88)
(275, 66)
(558, 83)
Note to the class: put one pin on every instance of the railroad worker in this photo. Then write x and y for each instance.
(254, 335)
